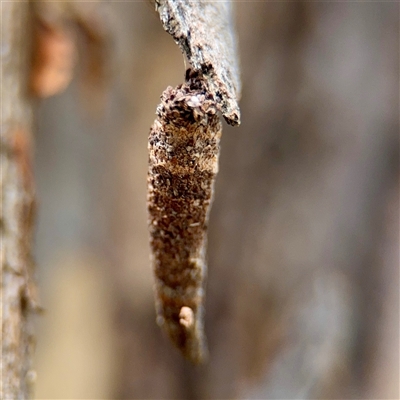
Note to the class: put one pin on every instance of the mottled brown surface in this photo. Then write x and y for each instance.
(183, 162)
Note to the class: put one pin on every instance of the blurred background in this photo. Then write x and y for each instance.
(302, 291)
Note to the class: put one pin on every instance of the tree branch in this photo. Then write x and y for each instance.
(205, 33)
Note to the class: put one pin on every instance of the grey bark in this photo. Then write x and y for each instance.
(17, 289)
(205, 33)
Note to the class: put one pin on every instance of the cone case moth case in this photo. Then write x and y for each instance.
(183, 163)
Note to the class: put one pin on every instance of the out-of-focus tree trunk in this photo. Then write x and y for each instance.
(298, 191)
(298, 300)
(17, 208)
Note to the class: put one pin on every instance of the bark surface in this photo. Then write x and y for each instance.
(17, 205)
(205, 33)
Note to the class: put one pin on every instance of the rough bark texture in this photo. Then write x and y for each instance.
(184, 149)
(17, 288)
(204, 32)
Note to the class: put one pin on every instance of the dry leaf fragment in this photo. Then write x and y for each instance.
(54, 58)
(61, 31)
